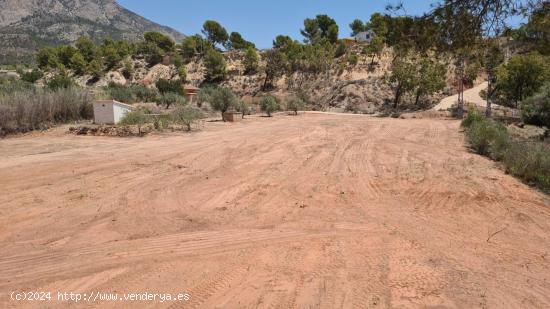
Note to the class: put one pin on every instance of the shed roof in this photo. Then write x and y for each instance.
(114, 102)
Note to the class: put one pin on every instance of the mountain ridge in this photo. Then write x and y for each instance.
(27, 25)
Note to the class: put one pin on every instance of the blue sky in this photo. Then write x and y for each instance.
(260, 21)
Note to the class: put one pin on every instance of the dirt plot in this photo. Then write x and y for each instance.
(314, 211)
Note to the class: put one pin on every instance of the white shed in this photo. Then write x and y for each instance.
(110, 111)
(364, 36)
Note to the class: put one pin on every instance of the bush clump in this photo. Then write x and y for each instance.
(28, 110)
(269, 104)
(535, 110)
(527, 160)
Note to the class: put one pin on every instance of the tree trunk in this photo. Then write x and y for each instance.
(223, 117)
(460, 109)
(488, 110)
(397, 97)
(418, 94)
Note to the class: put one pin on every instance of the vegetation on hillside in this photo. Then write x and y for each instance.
(528, 160)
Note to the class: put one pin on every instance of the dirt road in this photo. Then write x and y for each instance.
(470, 96)
(314, 211)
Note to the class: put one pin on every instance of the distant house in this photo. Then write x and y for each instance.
(364, 37)
(110, 111)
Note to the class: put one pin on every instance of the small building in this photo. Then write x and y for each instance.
(190, 92)
(364, 37)
(110, 111)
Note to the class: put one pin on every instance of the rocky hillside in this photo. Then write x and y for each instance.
(27, 25)
(359, 87)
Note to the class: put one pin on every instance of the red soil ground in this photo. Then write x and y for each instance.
(314, 211)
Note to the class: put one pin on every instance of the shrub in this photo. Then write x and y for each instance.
(295, 104)
(60, 81)
(120, 93)
(182, 73)
(221, 99)
(243, 108)
(144, 94)
(32, 76)
(527, 160)
(169, 98)
(27, 110)
(187, 115)
(473, 117)
(484, 135)
(215, 65)
(536, 109)
(9, 85)
(136, 117)
(269, 104)
(165, 86)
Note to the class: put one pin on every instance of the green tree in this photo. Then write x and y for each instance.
(187, 115)
(160, 40)
(295, 104)
(402, 78)
(522, 76)
(215, 33)
(95, 67)
(251, 60)
(59, 81)
(319, 29)
(269, 104)
(182, 73)
(111, 57)
(375, 48)
(493, 58)
(236, 41)
(193, 46)
(78, 63)
(275, 66)
(430, 78)
(166, 86)
(538, 29)
(282, 42)
(378, 24)
(64, 54)
(136, 117)
(153, 54)
(47, 58)
(32, 76)
(168, 99)
(536, 109)
(221, 99)
(357, 26)
(87, 48)
(214, 62)
(243, 108)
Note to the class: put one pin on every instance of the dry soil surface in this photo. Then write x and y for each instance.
(470, 96)
(313, 211)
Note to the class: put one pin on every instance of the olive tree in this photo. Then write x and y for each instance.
(295, 104)
(221, 99)
(187, 115)
(269, 104)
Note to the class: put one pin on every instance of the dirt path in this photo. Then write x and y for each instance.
(314, 211)
(470, 96)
